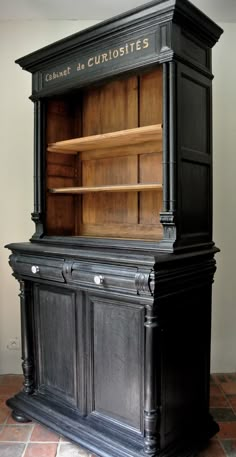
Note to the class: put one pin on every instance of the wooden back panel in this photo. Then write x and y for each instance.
(150, 165)
(109, 108)
(60, 170)
(118, 105)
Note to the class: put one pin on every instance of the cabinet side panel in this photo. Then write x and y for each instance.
(194, 156)
(185, 363)
(118, 361)
(60, 169)
(56, 318)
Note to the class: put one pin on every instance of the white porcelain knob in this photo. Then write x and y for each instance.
(98, 279)
(35, 269)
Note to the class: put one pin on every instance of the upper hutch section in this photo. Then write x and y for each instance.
(123, 129)
(106, 180)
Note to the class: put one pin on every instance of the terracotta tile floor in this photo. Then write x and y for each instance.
(32, 440)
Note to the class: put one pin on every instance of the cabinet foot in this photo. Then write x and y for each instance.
(19, 417)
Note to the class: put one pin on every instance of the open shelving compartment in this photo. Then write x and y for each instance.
(104, 160)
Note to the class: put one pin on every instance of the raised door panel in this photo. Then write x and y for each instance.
(59, 344)
(116, 343)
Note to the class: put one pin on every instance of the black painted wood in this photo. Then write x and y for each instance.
(19, 417)
(27, 336)
(117, 360)
(57, 371)
(122, 367)
(153, 350)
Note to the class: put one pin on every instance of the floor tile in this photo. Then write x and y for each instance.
(216, 390)
(8, 390)
(41, 450)
(11, 449)
(15, 433)
(232, 401)
(220, 378)
(230, 447)
(10, 379)
(219, 402)
(71, 450)
(229, 388)
(42, 434)
(227, 430)
(231, 377)
(4, 413)
(217, 397)
(223, 414)
(213, 450)
(3, 403)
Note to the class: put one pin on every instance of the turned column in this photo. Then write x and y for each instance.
(39, 169)
(26, 336)
(152, 384)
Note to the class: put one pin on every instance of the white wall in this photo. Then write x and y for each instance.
(16, 169)
(16, 202)
(224, 292)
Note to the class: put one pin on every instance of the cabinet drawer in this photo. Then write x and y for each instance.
(103, 277)
(38, 267)
(106, 277)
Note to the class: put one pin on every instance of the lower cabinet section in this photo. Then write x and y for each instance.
(123, 374)
(86, 356)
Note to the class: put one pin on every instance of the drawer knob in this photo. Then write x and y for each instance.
(98, 279)
(35, 269)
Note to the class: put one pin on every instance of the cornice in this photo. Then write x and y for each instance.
(157, 12)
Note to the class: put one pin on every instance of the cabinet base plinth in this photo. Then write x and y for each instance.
(82, 432)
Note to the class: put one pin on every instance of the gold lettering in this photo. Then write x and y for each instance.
(132, 46)
(91, 62)
(104, 58)
(145, 43)
(97, 60)
(138, 45)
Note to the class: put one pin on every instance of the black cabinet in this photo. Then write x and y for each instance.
(116, 280)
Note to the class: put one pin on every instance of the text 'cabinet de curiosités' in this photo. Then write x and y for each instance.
(116, 280)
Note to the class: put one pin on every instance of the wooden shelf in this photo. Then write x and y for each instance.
(151, 133)
(121, 188)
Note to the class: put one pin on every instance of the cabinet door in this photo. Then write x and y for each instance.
(59, 345)
(115, 337)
